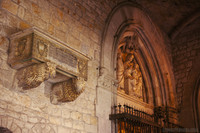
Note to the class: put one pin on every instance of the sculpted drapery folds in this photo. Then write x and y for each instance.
(128, 71)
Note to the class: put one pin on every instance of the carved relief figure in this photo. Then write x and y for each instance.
(128, 72)
(20, 47)
(41, 48)
(120, 70)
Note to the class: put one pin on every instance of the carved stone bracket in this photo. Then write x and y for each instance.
(67, 91)
(39, 57)
(32, 76)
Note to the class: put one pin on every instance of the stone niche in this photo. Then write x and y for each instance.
(128, 72)
(38, 57)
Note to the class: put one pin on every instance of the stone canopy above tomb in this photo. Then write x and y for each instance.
(39, 57)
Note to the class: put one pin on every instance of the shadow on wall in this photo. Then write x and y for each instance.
(4, 130)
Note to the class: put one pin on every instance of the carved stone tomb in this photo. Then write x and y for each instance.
(39, 57)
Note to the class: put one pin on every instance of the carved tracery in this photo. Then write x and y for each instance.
(128, 71)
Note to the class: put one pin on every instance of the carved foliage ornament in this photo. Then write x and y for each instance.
(32, 76)
(128, 72)
(38, 57)
(67, 91)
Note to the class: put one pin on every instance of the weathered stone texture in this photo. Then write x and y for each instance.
(79, 24)
(185, 49)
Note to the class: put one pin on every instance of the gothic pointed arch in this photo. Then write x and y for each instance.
(154, 61)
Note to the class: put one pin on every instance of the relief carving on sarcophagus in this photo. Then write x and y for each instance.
(39, 57)
(128, 72)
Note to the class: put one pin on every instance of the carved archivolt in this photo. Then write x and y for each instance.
(128, 72)
(39, 57)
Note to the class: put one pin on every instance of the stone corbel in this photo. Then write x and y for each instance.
(67, 91)
(32, 76)
(38, 57)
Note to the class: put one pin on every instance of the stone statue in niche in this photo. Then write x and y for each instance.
(128, 72)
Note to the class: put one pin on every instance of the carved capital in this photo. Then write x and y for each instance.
(67, 91)
(32, 76)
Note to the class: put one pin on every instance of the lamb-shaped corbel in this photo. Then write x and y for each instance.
(67, 91)
(32, 76)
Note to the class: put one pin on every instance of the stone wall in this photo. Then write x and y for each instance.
(79, 24)
(185, 49)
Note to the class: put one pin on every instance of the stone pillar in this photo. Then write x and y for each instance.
(105, 100)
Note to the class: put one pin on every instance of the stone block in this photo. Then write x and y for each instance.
(32, 119)
(3, 104)
(91, 128)
(66, 113)
(13, 114)
(2, 111)
(55, 120)
(38, 22)
(51, 29)
(25, 130)
(64, 130)
(10, 6)
(67, 123)
(93, 120)
(78, 125)
(76, 115)
(35, 9)
(23, 25)
(10, 122)
(21, 12)
(60, 35)
(4, 121)
(18, 122)
(189, 64)
(28, 17)
(15, 107)
(55, 111)
(22, 100)
(86, 118)
(73, 42)
(24, 117)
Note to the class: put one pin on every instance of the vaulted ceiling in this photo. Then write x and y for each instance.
(168, 14)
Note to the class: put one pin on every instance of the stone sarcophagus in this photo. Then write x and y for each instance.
(39, 57)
